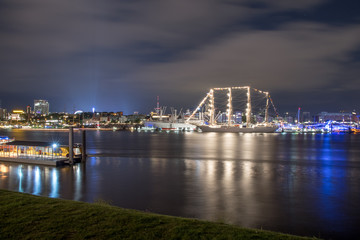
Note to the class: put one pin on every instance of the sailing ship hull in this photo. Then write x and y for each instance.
(236, 129)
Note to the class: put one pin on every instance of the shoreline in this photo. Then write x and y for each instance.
(27, 216)
(58, 129)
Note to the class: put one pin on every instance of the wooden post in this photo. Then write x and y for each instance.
(83, 146)
(71, 145)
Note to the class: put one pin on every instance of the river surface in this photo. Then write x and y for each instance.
(305, 184)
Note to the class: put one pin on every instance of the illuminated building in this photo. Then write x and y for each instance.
(289, 119)
(339, 117)
(306, 117)
(238, 117)
(41, 107)
(17, 115)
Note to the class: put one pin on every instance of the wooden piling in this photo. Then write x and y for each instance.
(71, 145)
(83, 146)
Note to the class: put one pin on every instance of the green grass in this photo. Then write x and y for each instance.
(24, 216)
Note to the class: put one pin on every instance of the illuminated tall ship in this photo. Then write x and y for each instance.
(212, 125)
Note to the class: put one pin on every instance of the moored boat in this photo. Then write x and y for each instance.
(355, 130)
(169, 126)
(6, 139)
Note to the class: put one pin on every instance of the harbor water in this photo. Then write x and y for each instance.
(304, 184)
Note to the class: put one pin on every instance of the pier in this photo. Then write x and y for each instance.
(41, 153)
(44, 153)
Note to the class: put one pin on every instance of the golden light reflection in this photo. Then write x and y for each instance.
(4, 170)
(228, 172)
(248, 146)
(228, 145)
(248, 191)
(247, 172)
(210, 184)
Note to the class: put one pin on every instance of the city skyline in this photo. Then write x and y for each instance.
(120, 55)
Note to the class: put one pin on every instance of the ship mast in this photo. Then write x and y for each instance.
(229, 111)
(267, 108)
(212, 107)
(248, 109)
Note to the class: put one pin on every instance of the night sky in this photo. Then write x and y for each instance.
(119, 55)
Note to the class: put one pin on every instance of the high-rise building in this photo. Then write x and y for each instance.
(306, 117)
(28, 110)
(41, 107)
(2, 114)
(28, 113)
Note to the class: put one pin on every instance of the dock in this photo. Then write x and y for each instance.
(37, 161)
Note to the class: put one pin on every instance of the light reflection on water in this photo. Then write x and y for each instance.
(54, 184)
(306, 184)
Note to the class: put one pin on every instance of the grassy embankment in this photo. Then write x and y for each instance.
(23, 216)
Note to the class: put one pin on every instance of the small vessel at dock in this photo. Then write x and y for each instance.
(6, 139)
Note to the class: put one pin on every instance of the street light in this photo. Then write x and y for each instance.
(53, 148)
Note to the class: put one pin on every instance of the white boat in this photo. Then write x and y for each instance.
(173, 122)
(169, 126)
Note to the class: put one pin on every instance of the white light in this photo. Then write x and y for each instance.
(54, 145)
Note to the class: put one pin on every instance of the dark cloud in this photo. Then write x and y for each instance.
(118, 55)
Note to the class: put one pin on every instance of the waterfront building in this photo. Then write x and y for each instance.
(41, 107)
(104, 119)
(339, 117)
(17, 115)
(238, 117)
(136, 118)
(354, 117)
(123, 119)
(290, 117)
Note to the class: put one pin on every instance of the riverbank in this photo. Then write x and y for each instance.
(60, 129)
(33, 217)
